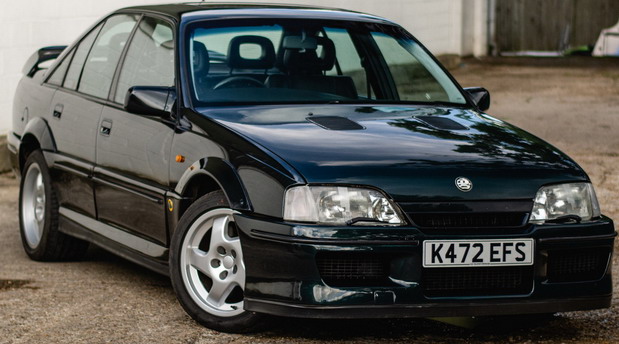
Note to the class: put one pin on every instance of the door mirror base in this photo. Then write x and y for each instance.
(150, 100)
(480, 97)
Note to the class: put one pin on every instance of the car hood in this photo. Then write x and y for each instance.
(412, 153)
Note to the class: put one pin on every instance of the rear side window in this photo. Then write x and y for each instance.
(150, 58)
(104, 55)
(73, 75)
(58, 75)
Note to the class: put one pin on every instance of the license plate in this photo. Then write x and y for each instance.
(459, 253)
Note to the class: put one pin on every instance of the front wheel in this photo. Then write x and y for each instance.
(207, 267)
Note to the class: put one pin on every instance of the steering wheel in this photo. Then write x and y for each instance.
(238, 82)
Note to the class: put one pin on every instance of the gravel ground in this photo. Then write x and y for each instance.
(104, 299)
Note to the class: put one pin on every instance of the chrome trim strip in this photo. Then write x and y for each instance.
(102, 174)
(131, 191)
(68, 164)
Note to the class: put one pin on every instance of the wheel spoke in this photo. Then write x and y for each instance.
(199, 260)
(218, 233)
(198, 235)
(39, 185)
(238, 278)
(219, 292)
(235, 244)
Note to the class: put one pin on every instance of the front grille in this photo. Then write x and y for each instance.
(469, 220)
(577, 265)
(353, 270)
(477, 281)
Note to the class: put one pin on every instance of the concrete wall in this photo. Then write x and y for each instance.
(444, 26)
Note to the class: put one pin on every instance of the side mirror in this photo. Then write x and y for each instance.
(480, 97)
(150, 100)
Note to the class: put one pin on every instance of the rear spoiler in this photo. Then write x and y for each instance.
(40, 56)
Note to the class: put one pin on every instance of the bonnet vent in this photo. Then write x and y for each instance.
(441, 123)
(335, 123)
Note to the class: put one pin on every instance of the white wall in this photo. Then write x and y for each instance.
(27, 25)
(444, 26)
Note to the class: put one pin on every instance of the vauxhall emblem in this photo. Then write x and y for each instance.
(464, 184)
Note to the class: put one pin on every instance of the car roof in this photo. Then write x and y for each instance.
(198, 9)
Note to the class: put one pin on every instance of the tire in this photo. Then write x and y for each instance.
(207, 268)
(38, 216)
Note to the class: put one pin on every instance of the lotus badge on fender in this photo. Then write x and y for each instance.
(464, 184)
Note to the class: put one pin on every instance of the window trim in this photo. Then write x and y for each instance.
(129, 39)
(79, 80)
(68, 49)
(70, 52)
(121, 62)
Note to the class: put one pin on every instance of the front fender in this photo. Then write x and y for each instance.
(224, 174)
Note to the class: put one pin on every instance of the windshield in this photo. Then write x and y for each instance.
(310, 61)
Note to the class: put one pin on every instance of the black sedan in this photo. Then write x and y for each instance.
(299, 162)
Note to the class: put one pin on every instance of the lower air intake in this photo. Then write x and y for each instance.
(477, 281)
(577, 265)
(356, 270)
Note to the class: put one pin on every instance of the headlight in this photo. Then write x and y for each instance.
(337, 205)
(563, 200)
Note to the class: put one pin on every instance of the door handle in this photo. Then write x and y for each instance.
(106, 127)
(58, 111)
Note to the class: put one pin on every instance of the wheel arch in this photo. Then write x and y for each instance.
(207, 175)
(37, 135)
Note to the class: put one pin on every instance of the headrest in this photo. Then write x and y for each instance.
(169, 44)
(266, 60)
(200, 59)
(301, 55)
(299, 42)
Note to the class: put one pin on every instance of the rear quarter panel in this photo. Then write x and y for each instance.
(32, 99)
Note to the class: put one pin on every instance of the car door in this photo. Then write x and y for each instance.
(133, 151)
(76, 109)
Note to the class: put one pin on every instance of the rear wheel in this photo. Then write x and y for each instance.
(207, 267)
(38, 216)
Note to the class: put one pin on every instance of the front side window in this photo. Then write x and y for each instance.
(150, 58)
(413, 81)
(301, 61)
(103, 57)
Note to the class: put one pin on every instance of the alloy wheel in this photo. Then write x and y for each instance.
(33, 205)
(211, 263)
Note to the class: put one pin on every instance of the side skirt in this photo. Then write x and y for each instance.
(133, 248)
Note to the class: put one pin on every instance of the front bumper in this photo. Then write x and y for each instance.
(284, 278)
